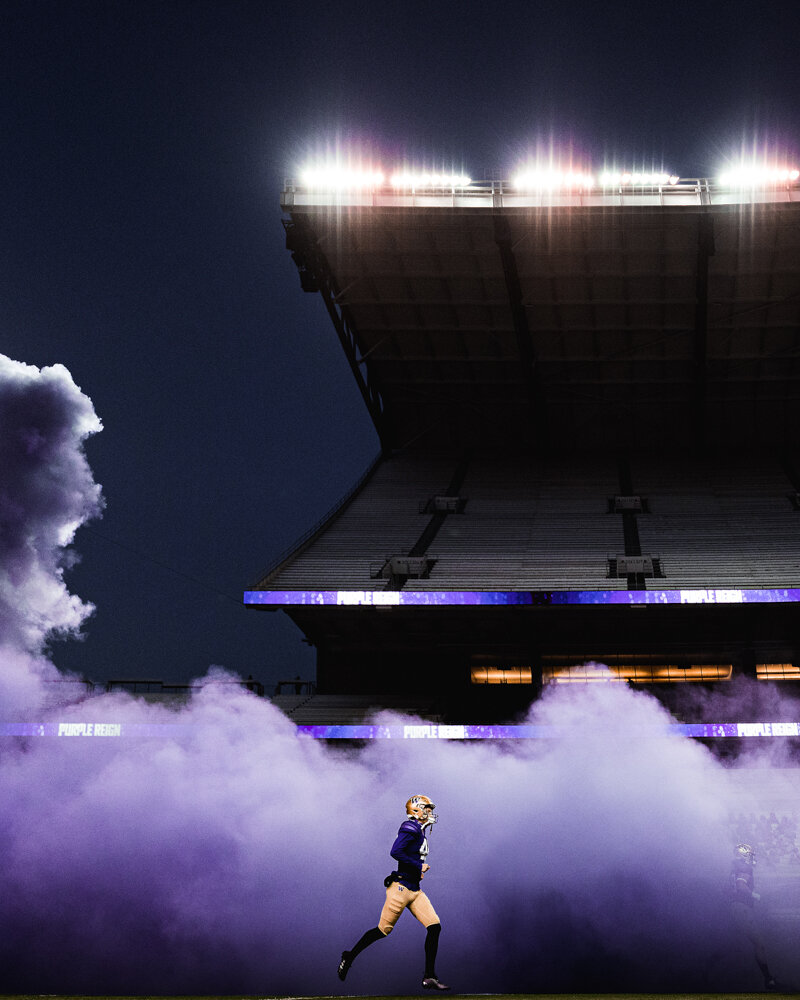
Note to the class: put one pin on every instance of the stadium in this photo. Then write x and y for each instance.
(571, 572)
(586, 390)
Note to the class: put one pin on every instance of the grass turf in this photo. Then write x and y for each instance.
(415, 996)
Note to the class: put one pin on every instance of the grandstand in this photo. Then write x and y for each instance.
(587, 401)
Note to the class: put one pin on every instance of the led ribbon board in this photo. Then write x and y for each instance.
(78, 731)
(537, 598)
(417, 731)
(95, 730)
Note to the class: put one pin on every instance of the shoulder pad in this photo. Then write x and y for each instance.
(410, 826)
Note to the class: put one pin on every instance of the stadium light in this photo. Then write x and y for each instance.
(412, 181)
(538, 179)
(634, 178)
(336, 178)
(758, 175)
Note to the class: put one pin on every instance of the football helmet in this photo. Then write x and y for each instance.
(746, 853)
(420, 808)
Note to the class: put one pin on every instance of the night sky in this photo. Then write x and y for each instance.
(144, 150)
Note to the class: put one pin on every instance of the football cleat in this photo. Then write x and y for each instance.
(344, 965)
(432, 983)
(420, 808)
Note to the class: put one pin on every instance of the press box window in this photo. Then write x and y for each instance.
(587, 673)
(501, 675)
(777, 672)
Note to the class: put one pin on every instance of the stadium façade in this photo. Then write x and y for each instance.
(588, 408)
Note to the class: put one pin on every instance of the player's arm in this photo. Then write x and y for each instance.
(742, 888)
(405, 849)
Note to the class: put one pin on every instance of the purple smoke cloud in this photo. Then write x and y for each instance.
(46, 493)
(229, 856)
(238, 858)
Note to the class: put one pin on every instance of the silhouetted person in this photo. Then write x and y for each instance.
(743, 907)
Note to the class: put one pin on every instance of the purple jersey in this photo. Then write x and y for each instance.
(408, 850)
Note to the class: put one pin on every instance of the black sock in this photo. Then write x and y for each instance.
(431, 947)
(375, 934)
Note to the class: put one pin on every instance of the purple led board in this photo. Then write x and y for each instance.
(94, 730)
(541, 598)
(417, 730)
(532, 732)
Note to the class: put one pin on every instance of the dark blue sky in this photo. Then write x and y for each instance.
(144, 150)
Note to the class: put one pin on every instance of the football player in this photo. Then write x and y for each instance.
(743, 907)
(410, 851)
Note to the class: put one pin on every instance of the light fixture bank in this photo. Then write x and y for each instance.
(336, 177)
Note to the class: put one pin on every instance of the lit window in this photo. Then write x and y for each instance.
(777, 672)
(501, 675)
(584, 673)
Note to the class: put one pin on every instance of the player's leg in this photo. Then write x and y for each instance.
(430, 981)
(745, 919)
(423, 910)
(369, 937)
(760, 954)
(395, 903)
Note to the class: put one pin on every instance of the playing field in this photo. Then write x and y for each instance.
(356, 996)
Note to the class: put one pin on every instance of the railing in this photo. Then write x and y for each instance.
(76, 689)
(155, 687)
(505, 194)
(296, 687)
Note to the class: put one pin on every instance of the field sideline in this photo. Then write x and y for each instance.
(415, 996)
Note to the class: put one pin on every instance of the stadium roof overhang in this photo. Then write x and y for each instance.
(383, 636)
(619, 615)
(661, 317)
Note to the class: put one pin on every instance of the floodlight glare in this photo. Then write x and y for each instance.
(758, 175)
(414, 181)
(625, 178)
(552, 180)
(336, 178)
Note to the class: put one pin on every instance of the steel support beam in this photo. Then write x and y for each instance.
(316, 275)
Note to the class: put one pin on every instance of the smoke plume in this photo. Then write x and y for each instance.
(46, 493)
(219, 853)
